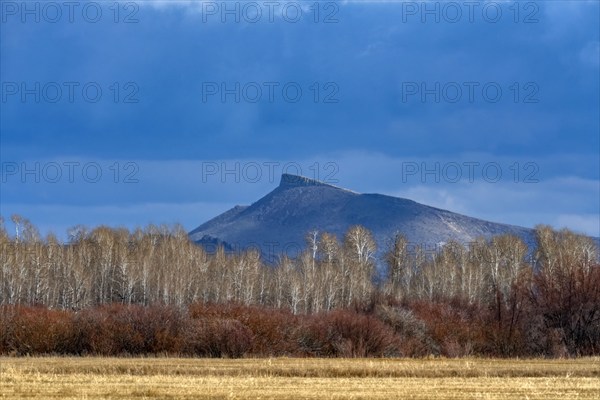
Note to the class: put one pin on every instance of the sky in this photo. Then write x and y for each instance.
(131, 113)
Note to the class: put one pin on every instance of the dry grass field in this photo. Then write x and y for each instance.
(281, 378)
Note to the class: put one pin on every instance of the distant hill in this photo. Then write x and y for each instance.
(280, 221)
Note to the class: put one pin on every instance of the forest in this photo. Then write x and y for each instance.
(107, 291)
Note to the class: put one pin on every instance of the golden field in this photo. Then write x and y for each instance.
(297, 378)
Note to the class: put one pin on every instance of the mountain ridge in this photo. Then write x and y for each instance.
(279, 221)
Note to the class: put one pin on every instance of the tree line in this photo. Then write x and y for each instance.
(547, 305)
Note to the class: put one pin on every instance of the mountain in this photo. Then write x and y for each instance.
(279, 222)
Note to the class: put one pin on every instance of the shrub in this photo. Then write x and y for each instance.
(37, 330)
(345, 333)
(273, 330)
(451, 326)
(414, 336)
(209, 337)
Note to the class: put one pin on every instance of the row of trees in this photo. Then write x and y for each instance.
(161, 265)
(557, 300)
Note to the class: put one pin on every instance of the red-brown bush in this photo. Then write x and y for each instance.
(118, 329)
(215, 337)
(36, 330)
(453, 327)
(345, 333)
(273, 330)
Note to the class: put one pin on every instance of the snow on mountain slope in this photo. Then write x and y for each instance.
(279, 222)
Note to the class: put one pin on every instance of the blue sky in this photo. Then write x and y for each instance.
(172, 112)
